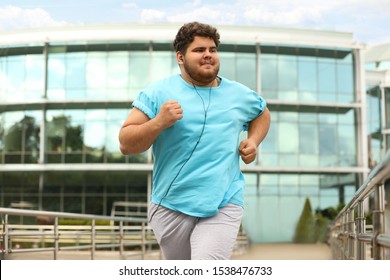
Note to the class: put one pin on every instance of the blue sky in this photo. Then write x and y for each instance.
(368, 20)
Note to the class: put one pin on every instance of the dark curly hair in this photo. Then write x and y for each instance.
(188, 31)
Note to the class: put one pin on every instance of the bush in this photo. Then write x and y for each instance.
(304, 232)
(82, 222)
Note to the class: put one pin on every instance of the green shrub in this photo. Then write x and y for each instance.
(304, 231)
(82, 222)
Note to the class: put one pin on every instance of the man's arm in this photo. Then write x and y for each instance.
(258, 129)
(138, 132)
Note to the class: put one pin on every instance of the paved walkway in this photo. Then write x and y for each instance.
(284, 251)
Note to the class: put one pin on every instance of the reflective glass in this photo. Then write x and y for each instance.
(91, 136)
(95, 129)
(34, 81)
(15, 78)
(228, 65)
(308, 139)
(387, 107)
(328, 140)
(287, 73)
(3, 78)
(288, 141)
(345, 80)
(246, 70)
(307, 80)
(56, 66)
(138, 72)
(163, 64)
(327, 76)
(269, 74)
(96, 75)
(118, 74)
(21, 136)
(240, 67)
(76, 71)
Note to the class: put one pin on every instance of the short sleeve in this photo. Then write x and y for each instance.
(146, 104)
(259, 106)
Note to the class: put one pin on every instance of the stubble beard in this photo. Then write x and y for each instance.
(201, 77)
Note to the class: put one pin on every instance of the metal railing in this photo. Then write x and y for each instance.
(123, 234)
(350, 237)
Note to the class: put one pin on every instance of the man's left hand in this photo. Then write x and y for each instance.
(248, 150)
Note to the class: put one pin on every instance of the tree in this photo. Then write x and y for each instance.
(305, 229)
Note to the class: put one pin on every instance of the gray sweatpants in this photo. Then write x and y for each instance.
(183, 237)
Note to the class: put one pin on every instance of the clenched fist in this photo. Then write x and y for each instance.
(170, 112)
(248, 150)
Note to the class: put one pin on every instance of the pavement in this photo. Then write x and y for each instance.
(278, 251)
(286, 251)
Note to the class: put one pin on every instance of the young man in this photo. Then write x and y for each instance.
(193, 120)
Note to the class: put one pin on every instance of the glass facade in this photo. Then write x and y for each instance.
(64, 103)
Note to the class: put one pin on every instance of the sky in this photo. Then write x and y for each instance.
(368, 20)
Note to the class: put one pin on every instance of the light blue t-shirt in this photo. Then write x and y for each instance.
(199, 182)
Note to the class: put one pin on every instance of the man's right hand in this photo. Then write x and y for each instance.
(170, 112)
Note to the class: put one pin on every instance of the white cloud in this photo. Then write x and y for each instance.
(293, 16)
(12, 17)
(129, 5)
(196, 3)
(220, 14)
(151, 15)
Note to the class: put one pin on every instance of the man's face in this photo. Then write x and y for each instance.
(201, 61)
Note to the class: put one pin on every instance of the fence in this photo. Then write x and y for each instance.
(127, 235)
(351, 237)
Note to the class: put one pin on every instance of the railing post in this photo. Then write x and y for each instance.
(121, 238)
(143, 240)
(351, 234)
(378, 221)
(5, 235)
(93, 235)
(360, 228)
(344, 239)
(56, 238)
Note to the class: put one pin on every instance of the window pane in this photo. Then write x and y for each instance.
(308, 139)
(327, 77)
(288, 138)
(269, 78)
(246, 70)
(76, 71)
(96, 75)
(307, 80)
(328, 139)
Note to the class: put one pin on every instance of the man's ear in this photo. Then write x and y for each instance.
(180, 57)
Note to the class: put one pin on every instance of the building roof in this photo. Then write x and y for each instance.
(166, 33)
(378, 53)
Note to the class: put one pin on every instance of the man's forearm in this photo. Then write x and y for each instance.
(136, 139)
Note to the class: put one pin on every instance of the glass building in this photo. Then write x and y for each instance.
(65, 92)
(378, 98)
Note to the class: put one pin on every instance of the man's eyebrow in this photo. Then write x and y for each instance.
(203, 48)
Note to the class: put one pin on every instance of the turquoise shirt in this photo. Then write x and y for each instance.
(198, 179)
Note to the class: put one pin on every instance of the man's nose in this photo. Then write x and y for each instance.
(207, 53)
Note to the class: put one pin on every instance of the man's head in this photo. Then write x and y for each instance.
(188, 31)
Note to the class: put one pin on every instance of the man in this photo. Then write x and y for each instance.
(193, 121)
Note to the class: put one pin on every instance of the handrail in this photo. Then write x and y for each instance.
(378, 175)
(129, 231)
(348, 235)
(22, 212)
